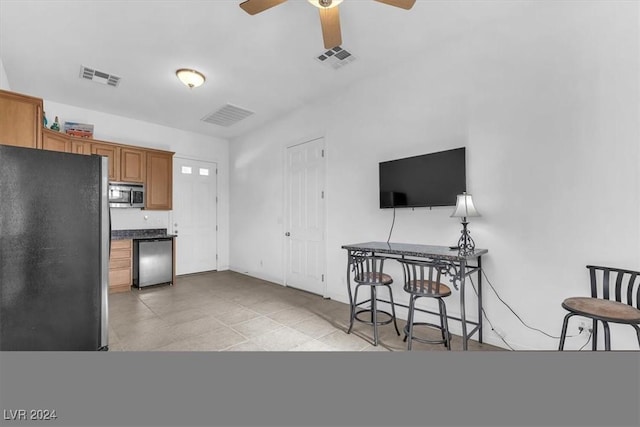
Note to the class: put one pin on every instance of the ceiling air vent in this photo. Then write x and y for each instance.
(227, 116)
(336, 57)
(99, 76)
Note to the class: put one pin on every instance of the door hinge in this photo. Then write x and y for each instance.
(323, 277)
(322, 153)
(322, 194)
(216, 199)
(216, 228)
(216, 257)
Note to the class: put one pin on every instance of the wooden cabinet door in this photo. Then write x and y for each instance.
(132, 165)
(55, 141)
(113, 153)
(120, 266)
(79, 146)
(20, 120)
(159, 191)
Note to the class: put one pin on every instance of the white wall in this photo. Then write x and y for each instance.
(549, 117)
(4, 81)
(123, 130)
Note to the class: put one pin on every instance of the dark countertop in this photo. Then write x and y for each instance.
(443, 252)
(148, 233)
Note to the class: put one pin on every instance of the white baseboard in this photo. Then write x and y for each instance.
(257, 275)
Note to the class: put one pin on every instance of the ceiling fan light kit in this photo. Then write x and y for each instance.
(320, 4)
(329, 15)
(190, 78)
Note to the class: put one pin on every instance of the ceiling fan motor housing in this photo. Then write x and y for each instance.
(329, 15)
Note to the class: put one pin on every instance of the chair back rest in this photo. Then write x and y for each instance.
(367, 268)
(424, 277)
(615, 284)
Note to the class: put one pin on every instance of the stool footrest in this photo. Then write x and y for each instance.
(424, 340)
(370, 322)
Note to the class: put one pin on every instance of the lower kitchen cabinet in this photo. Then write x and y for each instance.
(120, 266)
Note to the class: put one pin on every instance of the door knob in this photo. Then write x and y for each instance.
(287, 234)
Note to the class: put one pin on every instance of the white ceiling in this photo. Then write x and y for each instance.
(264, 63)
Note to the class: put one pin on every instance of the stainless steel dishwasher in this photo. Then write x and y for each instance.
(152, 262)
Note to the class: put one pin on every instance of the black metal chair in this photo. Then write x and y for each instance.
(368, 271)
(422, 279)
(615, 298)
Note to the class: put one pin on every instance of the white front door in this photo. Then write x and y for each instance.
(194, 217)
(305, 216)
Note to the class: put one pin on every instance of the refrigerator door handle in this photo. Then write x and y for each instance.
(105, 240)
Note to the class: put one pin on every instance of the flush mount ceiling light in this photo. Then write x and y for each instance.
(191, 78)
(329, 15)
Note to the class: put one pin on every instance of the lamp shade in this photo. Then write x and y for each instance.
(191, 78)
(464, 206)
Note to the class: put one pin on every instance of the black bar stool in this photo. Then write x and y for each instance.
(368, 272)
(615, 298)
(419, 285)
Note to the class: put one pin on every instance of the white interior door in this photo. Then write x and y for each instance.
(305, 212)
(194, 215)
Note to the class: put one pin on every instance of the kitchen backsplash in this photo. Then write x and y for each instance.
(125, 219)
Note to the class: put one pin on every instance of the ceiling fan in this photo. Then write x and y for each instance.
(329, 15)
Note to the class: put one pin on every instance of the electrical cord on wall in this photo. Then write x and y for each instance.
(512, 311)
(484, 313)
(392, 223)
(588, 339)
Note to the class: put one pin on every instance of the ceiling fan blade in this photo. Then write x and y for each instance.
(403, 4)
(330, 20)
(256, 6)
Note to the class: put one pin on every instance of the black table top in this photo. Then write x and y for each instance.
(411, 249)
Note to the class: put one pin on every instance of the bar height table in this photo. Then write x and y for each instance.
(459, 267)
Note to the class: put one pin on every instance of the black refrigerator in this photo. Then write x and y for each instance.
(54, 251)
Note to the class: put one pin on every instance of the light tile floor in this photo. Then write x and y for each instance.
(227, 311)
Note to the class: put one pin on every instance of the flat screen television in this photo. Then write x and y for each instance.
(433, 179)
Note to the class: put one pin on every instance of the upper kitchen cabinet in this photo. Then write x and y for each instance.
(80, 146)
(159, 191)
(132, 164)
(55, 141)
(20, 120)
(113, 153)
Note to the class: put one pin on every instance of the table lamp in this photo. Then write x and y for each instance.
(465, 209)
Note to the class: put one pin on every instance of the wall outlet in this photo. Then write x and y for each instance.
(582, 326)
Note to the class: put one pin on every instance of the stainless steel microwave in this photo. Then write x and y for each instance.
(126, 195)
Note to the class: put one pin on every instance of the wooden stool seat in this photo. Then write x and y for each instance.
(609, 311)
(428, 288)
(374, 279)
(615, 298)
